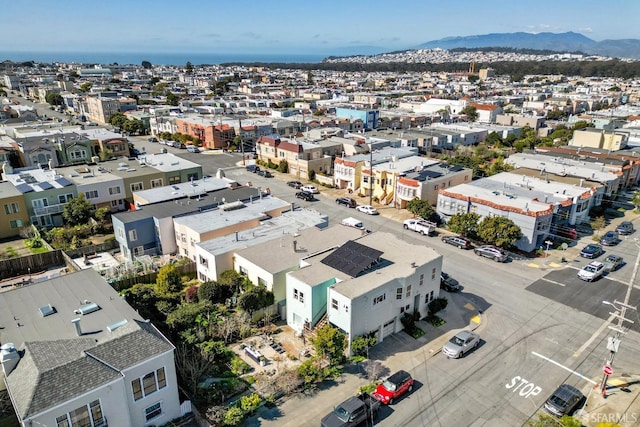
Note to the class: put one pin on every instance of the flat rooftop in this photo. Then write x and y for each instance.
(396, 261)
(220, 218)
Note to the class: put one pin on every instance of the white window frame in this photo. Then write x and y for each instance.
(133, 235)
(114, 190)
(91, 194)
(155, 183)
(136, 186)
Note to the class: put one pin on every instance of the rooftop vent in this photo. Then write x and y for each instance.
(87, 308)
(112, 327)
(46, 310)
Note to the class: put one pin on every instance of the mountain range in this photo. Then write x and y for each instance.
(558, 42)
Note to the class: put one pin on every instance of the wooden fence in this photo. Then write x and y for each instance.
(30, 264)
(91, 249)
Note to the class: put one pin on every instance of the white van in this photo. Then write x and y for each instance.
(353, 222)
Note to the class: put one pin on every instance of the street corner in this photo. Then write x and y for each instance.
(615, 405)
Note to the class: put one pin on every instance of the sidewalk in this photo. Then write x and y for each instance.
(555, 256)
(398, 351)
(621, 405)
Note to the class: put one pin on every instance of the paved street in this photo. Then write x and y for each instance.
(541, 327)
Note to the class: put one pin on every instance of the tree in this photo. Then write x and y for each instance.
(473, 78)
(185, 316)
(86, 87)
(331, 342)
(118, 120)
(168, 280)
(283, 166)
(465, 224)
(215, 292)
(361, 344)
(77, 211)
(635, 200)
(234, 416)
(146, 65)
(250, 403)
(499, 231)
(255, 298)
(598, 223)
(498, 166)
(173, 99)
(188, 69)
(191, 366)
(421, 208)
(310, 371)
(54, 98)
(471, 112)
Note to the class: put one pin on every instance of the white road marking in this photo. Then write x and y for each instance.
(554, 282)
(594, 336)
(564, 367)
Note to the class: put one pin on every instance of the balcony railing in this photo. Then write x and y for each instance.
(48, 210)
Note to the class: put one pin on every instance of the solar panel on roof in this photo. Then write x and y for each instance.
(24, 188)
(44, 185)
(455, 168)
(64, 182)
(431, 174)
(352, 258)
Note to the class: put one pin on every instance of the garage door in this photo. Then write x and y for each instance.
(387, 328)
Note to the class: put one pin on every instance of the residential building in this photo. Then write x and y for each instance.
(295, 234)
(100, 109)
(613, 140)
(150, 229)
(226, 219)
(80, 355)
(363, 286)
(369, 118)
(14, 215)
(534, 204)
(487, 113)
(425, 181)
(45, 194)
(100, 188)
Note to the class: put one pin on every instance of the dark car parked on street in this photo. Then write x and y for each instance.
(591, 251)
(448, 283)
(564, 400)
(265, 173)
(458, 241)
(252, 168)
(610, 238)
(305, 196)
(346, 201)
(294, 184)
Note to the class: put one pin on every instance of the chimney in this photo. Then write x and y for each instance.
(293, 207)
(236, 236)
(295, 245)
(9, 358)
(76, 323)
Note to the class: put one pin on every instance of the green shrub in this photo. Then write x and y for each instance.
(437, 304)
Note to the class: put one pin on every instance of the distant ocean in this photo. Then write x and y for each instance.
(157, 58)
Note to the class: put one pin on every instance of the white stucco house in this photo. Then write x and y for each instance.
(363, 286)
(78, 355)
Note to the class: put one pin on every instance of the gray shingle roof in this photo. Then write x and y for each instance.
(56, 365)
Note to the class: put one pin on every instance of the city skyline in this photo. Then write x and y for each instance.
(247, 26)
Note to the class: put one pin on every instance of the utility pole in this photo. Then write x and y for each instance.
(371, 174)
(614, 342)
(621, 309)
(241, 141)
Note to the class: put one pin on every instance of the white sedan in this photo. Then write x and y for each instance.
(368, 209)
(309, 189)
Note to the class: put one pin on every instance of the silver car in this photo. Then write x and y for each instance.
(492, 252)
(461, 344)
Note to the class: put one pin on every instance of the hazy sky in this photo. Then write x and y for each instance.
(287, 26)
